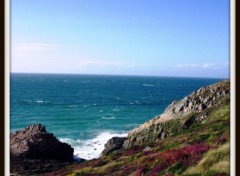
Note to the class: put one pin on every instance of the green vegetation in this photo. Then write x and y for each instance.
(215, 160)
(200, 149)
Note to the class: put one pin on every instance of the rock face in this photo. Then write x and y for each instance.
(166, 124)
(114, 144)
(196, 103)
(34, 142)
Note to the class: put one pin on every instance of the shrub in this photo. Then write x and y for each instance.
(146, 153)
(185, 156)
(98, 163)
(141, 170)
(129, 152)
(222, 139)
(133, 150)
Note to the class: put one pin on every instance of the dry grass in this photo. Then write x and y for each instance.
(217, 160)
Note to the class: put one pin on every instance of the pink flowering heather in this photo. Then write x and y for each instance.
(141, 170)
(129, 152)
(148, 153)
(187, 156)
(132, 151)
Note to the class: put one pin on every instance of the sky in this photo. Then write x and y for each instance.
(184, 38)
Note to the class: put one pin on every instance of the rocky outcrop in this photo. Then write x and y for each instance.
(34, 142)
(176, 117)
(204, 98)
(166, 124)
(114, 144)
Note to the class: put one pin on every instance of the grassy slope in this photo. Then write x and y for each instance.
(201, 149)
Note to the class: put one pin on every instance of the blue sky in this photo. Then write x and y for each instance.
(124, 37)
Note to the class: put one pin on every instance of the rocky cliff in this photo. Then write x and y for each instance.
(177, 116)
(34, 151)
(185, 111)
(35, 142)
(191, 137)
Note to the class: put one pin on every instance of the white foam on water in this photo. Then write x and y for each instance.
(108, 117)
(91, 148)
(148, 85)
(115, 109)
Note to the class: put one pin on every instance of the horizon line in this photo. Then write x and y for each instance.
(101, 74)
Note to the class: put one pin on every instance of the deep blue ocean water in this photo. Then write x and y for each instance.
(86, 110)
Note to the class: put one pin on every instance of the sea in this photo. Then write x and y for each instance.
(85, 111)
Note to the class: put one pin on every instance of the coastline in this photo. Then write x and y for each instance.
(79, 108)
(203, 105)
(91, 148)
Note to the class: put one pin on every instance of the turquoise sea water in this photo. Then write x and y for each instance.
(86, 110)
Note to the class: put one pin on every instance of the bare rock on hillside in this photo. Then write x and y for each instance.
(195, 103)
(35, 142)
(114, 144)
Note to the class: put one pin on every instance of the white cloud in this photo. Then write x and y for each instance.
(205, 65)
(187, 65)
(209, 65)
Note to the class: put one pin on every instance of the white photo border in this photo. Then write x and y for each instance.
(7, 61)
